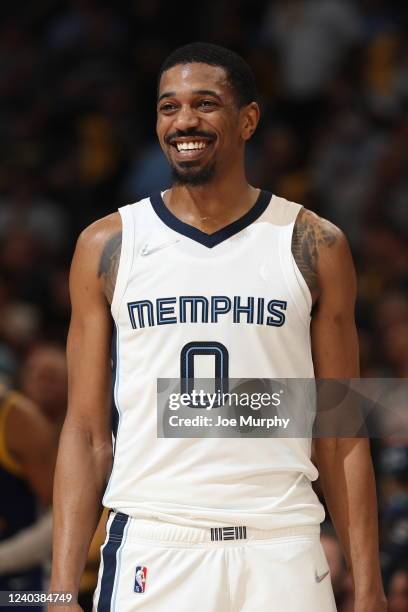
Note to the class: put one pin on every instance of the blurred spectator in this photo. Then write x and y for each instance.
(389, 195)
(19, 326)
(148, 174)
(44, 381)
(312, 39)
(346, 158)
(27, 458)
(394, 506)
(21, 210)
(277, 161)
(398, 591)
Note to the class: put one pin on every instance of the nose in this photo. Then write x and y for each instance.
(186, 118)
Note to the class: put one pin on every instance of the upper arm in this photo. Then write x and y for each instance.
(333, 330)
(323, 256)
(92, 279)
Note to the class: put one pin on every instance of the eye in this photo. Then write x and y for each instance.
(168, 107)
(207, 104)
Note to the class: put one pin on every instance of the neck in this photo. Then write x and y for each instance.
(212, 206)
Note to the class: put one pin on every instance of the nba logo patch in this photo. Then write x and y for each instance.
(140, 579)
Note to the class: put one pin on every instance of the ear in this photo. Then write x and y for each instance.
(249, 119)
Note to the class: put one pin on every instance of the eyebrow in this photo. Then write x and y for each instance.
(202, 92)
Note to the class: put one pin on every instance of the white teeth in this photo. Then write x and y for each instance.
(187, 146)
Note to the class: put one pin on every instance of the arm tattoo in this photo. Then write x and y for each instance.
(309, 234)
(109, 264)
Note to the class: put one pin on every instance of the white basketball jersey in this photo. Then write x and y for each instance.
(240, 288)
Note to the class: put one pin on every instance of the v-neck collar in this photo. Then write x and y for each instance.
(210, 240)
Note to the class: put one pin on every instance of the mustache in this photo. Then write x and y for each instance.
(188, 133)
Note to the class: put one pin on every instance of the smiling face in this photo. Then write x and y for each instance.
(200, 127)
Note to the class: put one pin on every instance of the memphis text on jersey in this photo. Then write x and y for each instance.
(199, 309)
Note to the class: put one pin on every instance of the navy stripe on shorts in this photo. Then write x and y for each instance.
(109, 556)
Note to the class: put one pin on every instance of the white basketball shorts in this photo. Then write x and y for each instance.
(153, 566)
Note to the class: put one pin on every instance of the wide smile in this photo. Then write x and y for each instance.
(191, 149)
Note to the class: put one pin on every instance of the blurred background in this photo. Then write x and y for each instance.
(77, 117)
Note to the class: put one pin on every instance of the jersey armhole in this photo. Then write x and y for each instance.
(298, 274)
(125, 259)
(291, 264)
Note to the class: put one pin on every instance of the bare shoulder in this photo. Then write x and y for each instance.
(100, 243)
(316, 241)
(95, 237)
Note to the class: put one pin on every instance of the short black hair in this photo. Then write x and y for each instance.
(239, 74)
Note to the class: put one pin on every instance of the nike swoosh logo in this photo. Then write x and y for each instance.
(321, 577)
(146, 250)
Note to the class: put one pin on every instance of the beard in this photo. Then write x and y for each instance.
(192, 177)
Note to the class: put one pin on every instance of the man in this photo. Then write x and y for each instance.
(175, 271)
(27, 458)
(40, 408)
(43, 380)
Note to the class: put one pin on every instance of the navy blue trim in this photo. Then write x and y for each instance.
(210, 240)
(114, 356)
(109, 561)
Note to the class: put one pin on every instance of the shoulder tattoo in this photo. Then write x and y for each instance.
(309, 235)
(109, 264)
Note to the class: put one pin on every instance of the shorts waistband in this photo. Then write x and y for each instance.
(154, 530)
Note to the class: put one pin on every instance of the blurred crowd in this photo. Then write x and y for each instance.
(77, 115)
